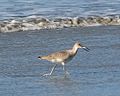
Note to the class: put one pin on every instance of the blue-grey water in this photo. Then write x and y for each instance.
(21, 15)
(57, 8)
(93, 73)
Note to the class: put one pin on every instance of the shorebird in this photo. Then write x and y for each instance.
(62, 57)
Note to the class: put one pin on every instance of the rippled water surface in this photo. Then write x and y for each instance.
(54, 8)
(17, 15)
(94, 73)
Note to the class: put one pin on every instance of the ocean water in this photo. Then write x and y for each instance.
(32, 28)
(93, 73)
(17, 15)
(55, 8)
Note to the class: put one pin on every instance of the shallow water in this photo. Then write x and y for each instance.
(47, 14)
(94, 73)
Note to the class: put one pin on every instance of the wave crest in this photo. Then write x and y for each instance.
(37, 23)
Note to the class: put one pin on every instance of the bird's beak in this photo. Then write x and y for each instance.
(86, 49)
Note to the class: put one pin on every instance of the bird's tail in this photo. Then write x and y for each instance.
(39, 57)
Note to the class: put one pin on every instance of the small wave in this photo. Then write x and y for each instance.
(37, 23)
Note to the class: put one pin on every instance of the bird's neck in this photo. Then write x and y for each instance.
(74, 49)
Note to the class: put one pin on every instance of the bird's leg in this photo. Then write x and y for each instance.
(50, 71)
(64, 69)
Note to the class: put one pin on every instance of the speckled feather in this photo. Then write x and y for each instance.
(59, 56)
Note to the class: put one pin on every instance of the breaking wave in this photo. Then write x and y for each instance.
(37, 23)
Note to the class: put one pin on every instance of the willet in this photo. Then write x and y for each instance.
(62, 57)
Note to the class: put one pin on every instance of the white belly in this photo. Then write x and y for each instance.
(57, 60)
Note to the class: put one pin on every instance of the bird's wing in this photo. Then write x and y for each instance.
(57, 55)
(61, 54)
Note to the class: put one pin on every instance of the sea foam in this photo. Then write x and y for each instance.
(37, 23)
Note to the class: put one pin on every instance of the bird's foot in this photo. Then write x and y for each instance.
(67, 74)
(48, 74)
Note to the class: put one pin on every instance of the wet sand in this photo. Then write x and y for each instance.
(94, 73)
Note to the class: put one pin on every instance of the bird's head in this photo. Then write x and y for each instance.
(78, 45)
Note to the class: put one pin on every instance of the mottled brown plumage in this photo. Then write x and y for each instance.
(58, 57)
(62, 57)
